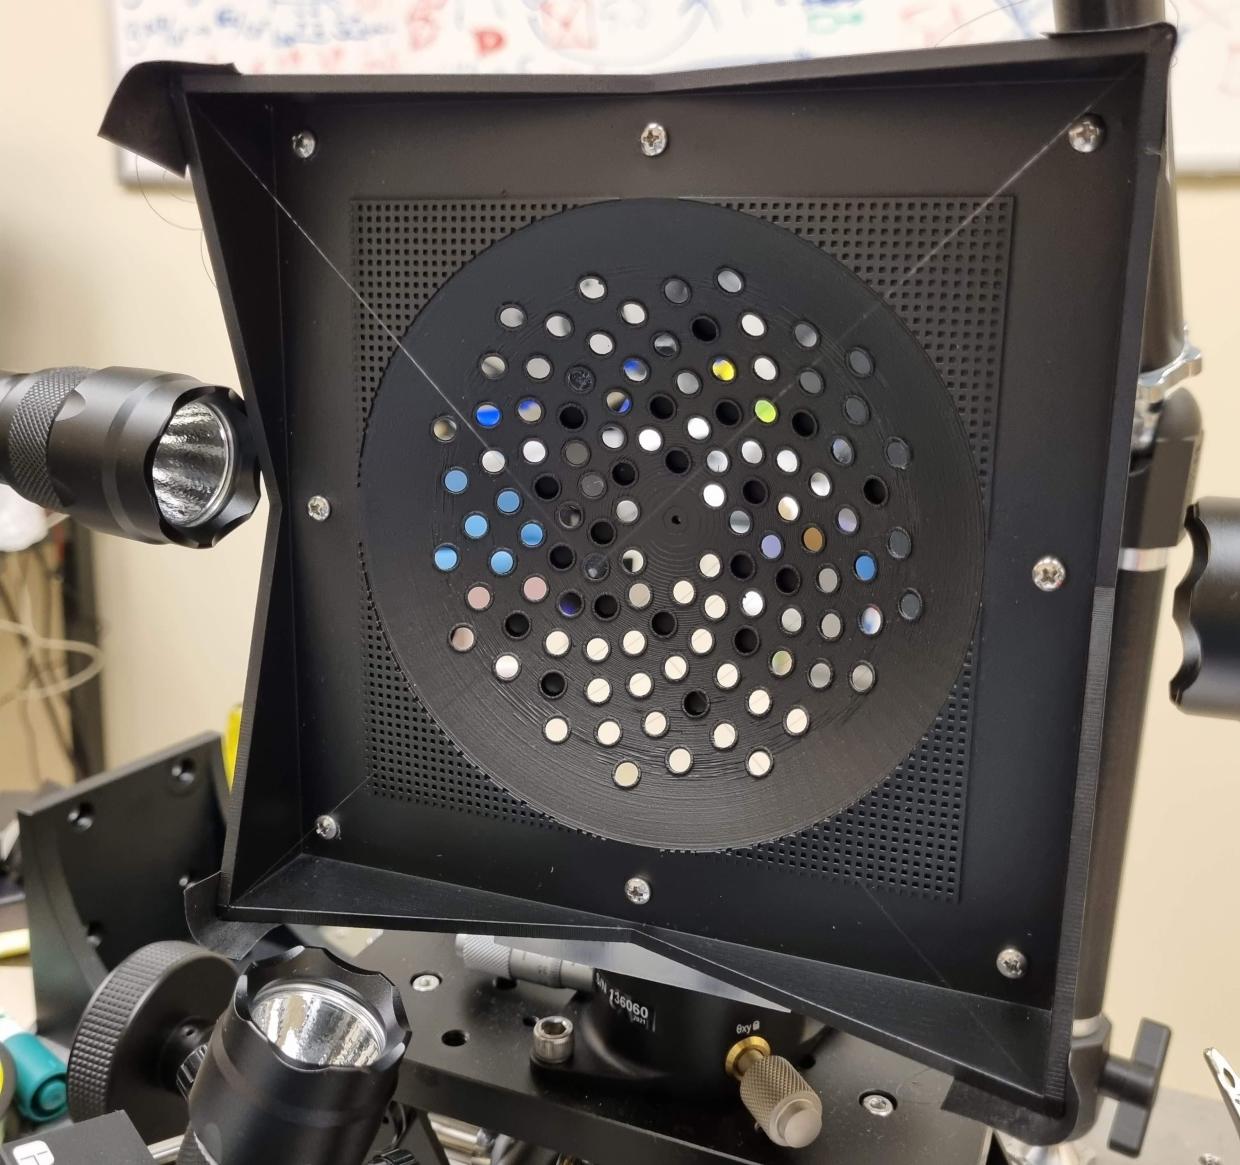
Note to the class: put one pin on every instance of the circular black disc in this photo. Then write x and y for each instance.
(671, 524)
(115, 1060)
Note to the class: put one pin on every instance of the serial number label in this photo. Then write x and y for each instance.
(635, 1012)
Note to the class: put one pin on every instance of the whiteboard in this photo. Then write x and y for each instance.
(579, 36)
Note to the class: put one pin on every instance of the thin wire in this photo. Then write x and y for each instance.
(202, 255)
(22, 625)
(365, 305)
(154, 210)
(62, 733)
(1005, 8)
(33, 670)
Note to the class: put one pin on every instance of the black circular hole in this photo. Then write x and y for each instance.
(696, 704)
(663, 624)
(606, 606)
(579, 378)
(804, 424)
(570, 515)
(675, 518)
(728, 412)
(704, 328)
(82, 816)
(875, 491)
(805, 1063)
(624, 473)
(754, 491)
(596, 567)
(572, 416)
(569, 604)
(529, 1020)
(788, 580)
(455, 1038)
(561, 557)
(505, 984)
(742, 566)
(746, 640)
(602, 533)
(547, 487)
(677, 460)
(517, 625)
(662, 407)
(553, 685)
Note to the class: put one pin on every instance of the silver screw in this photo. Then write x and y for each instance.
(304, 144)
(878, 1104)
(327, 827)
(319, 508)
(1012, 963)
(1049, 574)
(553, 1040)
(653, 140)
(1087, 134)
(427, 982)
(637, 891)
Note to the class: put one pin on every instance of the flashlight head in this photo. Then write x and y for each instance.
(301, 1066)
(153, 456)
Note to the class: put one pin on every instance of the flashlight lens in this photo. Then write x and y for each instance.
(194, 466)
(317, 1024)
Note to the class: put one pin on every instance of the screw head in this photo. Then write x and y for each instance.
(319, 508)
(1049, 573)
(878, 1104)
(1012, 963)
(427, 982)
(327, 827)
(653, 140)
(304, 144)
(637, 891)
(1087, 134)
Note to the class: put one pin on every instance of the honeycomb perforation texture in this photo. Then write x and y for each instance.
(105, 1019)
(942, 265)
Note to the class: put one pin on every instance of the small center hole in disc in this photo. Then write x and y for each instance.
(663, 624)
(705, 329)
(696, 704)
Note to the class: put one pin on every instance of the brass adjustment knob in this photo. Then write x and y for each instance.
(778, 1097)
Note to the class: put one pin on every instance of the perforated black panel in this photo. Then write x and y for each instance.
(942, 265)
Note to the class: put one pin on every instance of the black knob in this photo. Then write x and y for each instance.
(1134, 1084)
(1207, 612)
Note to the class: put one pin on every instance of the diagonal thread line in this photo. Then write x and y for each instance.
(982, 207)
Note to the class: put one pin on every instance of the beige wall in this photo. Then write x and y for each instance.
(90, 274)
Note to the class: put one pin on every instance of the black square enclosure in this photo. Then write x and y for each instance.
(676, 512)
